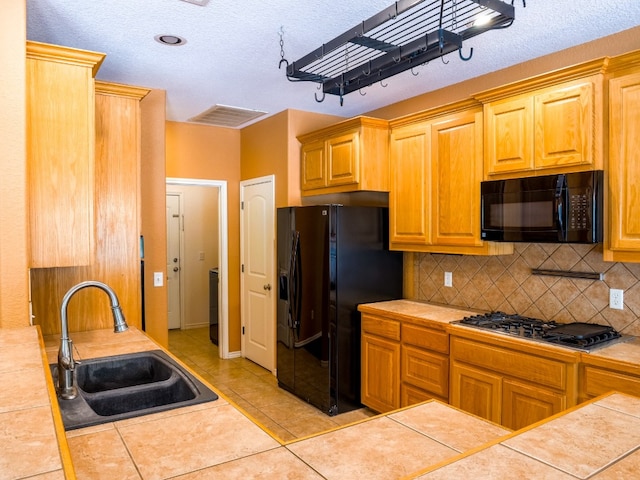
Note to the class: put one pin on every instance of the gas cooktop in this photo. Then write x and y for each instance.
(585, 337)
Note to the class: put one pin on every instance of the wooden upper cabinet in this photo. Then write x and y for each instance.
(60, 154)
(312, 165)
(343, 159)
(456, 166)
(346, 157)
(564, 124)
(622, 237)
(509, 135)
(117, 223)
(436, 170)
(410, 178)
(552, 123)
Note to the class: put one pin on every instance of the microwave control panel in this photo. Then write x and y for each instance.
(580, 211)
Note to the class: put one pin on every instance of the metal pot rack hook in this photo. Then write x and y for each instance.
(321, 99)
(468, 57)
(366, 73)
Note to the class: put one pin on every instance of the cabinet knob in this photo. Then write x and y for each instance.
(267, 286)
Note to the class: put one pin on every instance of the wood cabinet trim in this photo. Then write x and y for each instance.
(72, 56)
(433, 114)
(549, 79)
(120, 90)
(352, 124)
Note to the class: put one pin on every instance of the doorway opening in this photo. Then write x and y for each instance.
(199, 257)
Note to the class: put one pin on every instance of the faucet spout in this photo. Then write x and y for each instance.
(66, 364)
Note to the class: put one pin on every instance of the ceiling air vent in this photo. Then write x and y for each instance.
(226, 116)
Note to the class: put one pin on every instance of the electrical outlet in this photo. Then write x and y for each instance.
(616, 299)
(201, 256)
(158, 279)
(448, 279)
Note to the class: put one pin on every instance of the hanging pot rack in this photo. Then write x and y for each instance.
(405, 35)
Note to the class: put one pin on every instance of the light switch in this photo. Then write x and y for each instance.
(158, 279)
(448, 279)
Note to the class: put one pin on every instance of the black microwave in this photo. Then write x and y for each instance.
(562, 208)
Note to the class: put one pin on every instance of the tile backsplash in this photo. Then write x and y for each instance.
(506, 283)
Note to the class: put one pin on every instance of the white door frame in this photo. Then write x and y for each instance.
(223, 255)
(272, 180)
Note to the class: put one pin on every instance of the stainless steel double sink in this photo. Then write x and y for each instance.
(130, 385)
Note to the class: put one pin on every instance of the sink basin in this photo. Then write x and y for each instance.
(126, 386)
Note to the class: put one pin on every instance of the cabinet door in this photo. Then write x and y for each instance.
(564, 123)
(343, 159)
(524, 404)
(312, 166)
(429, 371)
(456, 165)
(509, 135)
(476, 392)
(380, 373)
(60, 151)
(409, 208)
(624, 169)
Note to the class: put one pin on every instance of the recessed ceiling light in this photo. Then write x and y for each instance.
(171, 40)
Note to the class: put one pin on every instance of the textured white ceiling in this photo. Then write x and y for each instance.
(232, 51)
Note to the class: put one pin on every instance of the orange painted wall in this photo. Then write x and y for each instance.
(270, 147)
(152, 211)
(14, 273)
(212, 153)
(612, 45)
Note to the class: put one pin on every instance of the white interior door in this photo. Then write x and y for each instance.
(174, 319)
(258, 281)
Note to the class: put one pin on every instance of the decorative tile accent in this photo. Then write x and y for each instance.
(505, 283)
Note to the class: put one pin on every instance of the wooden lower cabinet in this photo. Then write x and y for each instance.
(403, 363)
(380, 368)
(426, 371)
(502, 383)
(524, 404)
(410, 395)
(595, 381)
(380, 373)
(476, 391)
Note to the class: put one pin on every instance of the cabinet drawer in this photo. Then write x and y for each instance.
(596, 381)
(381, 326)
(533, 368)
(429, 371)
(410, 395)
(425, 338)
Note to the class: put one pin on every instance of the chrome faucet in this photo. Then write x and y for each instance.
(66, 365)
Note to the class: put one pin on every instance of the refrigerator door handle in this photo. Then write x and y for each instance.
(294, 272)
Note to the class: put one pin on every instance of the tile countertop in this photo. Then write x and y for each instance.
(217, 440)
(416, 311)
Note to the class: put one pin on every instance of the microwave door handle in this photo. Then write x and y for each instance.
(560, 207)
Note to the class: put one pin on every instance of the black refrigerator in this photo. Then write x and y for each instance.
(331, 258)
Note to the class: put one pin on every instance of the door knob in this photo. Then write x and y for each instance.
(175, 269)
(267, 286)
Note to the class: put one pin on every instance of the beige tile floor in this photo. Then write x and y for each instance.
(254, 389)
